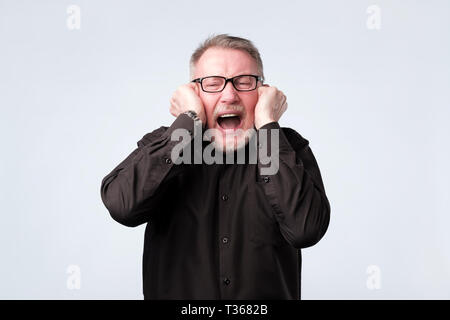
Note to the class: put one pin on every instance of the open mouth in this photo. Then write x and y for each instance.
(229, 121)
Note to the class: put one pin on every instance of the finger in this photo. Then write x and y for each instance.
(282, 101)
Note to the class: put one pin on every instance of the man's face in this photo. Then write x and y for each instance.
(228, 63)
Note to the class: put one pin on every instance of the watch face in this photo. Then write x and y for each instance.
(192, 114)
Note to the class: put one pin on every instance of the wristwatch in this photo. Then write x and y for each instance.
(193, 115)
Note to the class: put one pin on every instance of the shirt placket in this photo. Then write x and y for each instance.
(226, 281)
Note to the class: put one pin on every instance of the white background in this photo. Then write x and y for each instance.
(374, 105)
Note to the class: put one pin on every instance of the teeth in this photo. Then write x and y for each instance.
(229, 115)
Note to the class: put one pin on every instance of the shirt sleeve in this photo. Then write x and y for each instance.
(296, 191)
(133, 190)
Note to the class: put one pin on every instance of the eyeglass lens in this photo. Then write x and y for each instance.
(240, 83)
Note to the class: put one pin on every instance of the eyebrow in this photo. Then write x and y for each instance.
(239, 74)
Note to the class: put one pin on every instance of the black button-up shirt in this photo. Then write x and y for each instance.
(219, 231)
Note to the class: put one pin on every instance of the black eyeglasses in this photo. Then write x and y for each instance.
(245, 82)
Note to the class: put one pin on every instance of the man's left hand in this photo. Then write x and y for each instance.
(270, 106)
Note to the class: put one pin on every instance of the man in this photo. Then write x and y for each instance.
(221, 230)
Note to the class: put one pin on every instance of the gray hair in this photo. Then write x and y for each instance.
(227, 42)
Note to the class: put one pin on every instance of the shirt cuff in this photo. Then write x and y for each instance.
(183, 121)
(284, 145)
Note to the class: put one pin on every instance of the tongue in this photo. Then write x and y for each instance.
(229, 122)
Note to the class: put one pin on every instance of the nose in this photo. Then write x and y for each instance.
(229, 94)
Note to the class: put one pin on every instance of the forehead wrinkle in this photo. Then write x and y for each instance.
(223, 64)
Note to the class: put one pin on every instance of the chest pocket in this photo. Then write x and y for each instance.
(262, 227)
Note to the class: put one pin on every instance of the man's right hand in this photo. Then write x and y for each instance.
(186, 98)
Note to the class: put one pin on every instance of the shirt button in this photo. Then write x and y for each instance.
(266, 179)
(225, 239)
(226, 281)
(224, 197)
(168, 161)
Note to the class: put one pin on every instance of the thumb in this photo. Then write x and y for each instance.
(194, 86)
(262, 89)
